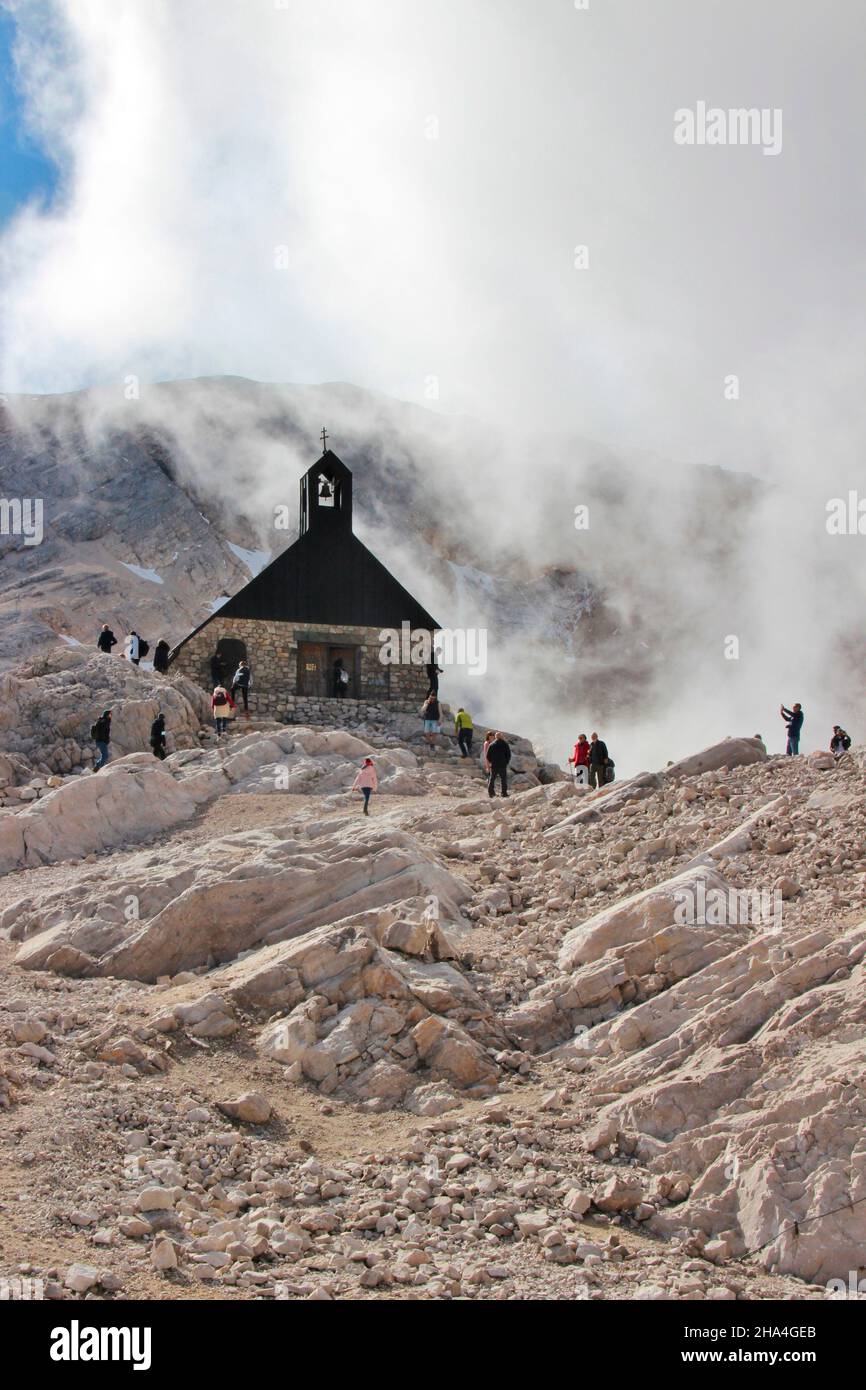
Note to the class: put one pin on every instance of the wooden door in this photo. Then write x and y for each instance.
(313, 669)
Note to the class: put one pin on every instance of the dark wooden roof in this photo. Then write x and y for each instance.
(328, 577)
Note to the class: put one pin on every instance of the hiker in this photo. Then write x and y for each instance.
(160, 656)
(222, 705)
(100, 732)
(341, 679)
(498, 758)
(598, 761)
(840, 742)
(488, 739)
(433, 674)
(106, 639)
(132, 647)
(366, 782)
(463, 729)
(217, 669)
(431, 715)
(794, 720)
(580, 760)
(157, 737)
(241, 680)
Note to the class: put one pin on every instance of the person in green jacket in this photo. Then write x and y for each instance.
(463, 730)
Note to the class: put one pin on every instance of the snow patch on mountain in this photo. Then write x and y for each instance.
(142, 573)
(255, 560)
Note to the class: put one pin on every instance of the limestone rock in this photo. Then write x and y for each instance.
(251, 1107)
(731, 752)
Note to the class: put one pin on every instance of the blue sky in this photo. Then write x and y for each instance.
(25, 172)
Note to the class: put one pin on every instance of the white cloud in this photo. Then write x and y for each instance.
(198, 138)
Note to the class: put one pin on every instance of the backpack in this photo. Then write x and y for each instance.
(220, 699)
(143, 647)
(344, 677)
(846, 742)
(609, 773)
(95, 732)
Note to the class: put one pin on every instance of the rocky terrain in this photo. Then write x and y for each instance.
(573, 1044)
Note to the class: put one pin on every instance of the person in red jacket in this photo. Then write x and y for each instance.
(580, 759)
(223, 706)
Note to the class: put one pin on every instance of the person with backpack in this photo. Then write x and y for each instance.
(132, 647)
(840, 742)
(106, 639)
(463, 728)
(242, 680)
(367, 783)
(498, 758)
(222, 705)
(341, 679)
(794, 720)
(580, 760)
(160, 657)
(431, 715)
(100, 732)
(157, 737)
(598, 761)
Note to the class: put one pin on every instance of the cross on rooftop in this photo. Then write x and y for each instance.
(324, 438)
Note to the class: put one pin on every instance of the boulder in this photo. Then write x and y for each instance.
(129, 800)
(609, 800)
(251, 1107)
(450, 1053)
(731, 752)
(638, 917)
(210, 904)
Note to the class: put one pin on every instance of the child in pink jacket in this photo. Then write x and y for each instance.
(366, 782)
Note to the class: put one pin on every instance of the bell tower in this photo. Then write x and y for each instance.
(326, 495)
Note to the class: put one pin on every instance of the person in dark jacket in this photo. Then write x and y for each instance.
(101, 732)
(217, 669)
(598, 761)
(433, 674)
(794, 720)
(432, 716)
(160, 656)
(106, 639)
(157, 737)
(840, 742)
(241, 681)
(340, 679)
(498, 758)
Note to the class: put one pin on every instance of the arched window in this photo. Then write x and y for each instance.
(231, 650)
(328, 491)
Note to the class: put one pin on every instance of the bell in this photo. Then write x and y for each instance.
(324, 490)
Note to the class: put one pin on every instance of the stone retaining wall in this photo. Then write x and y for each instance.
(272, 651)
